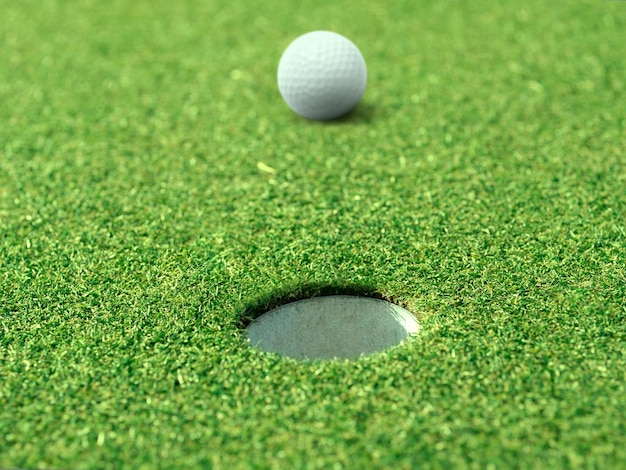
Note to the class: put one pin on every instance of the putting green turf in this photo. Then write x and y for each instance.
(155, 190)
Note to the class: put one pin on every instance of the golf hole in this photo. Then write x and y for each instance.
(332, 327)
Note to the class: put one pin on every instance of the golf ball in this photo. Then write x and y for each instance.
(322, 75)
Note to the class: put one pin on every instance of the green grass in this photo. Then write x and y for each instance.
(481, 183)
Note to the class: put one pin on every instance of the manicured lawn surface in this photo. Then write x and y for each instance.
(155, 191)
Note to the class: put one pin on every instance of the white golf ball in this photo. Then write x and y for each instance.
(322, 75)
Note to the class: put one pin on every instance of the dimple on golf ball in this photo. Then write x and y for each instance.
(322, 75)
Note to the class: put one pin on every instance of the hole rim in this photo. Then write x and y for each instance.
(304, 291)
(301, 291)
